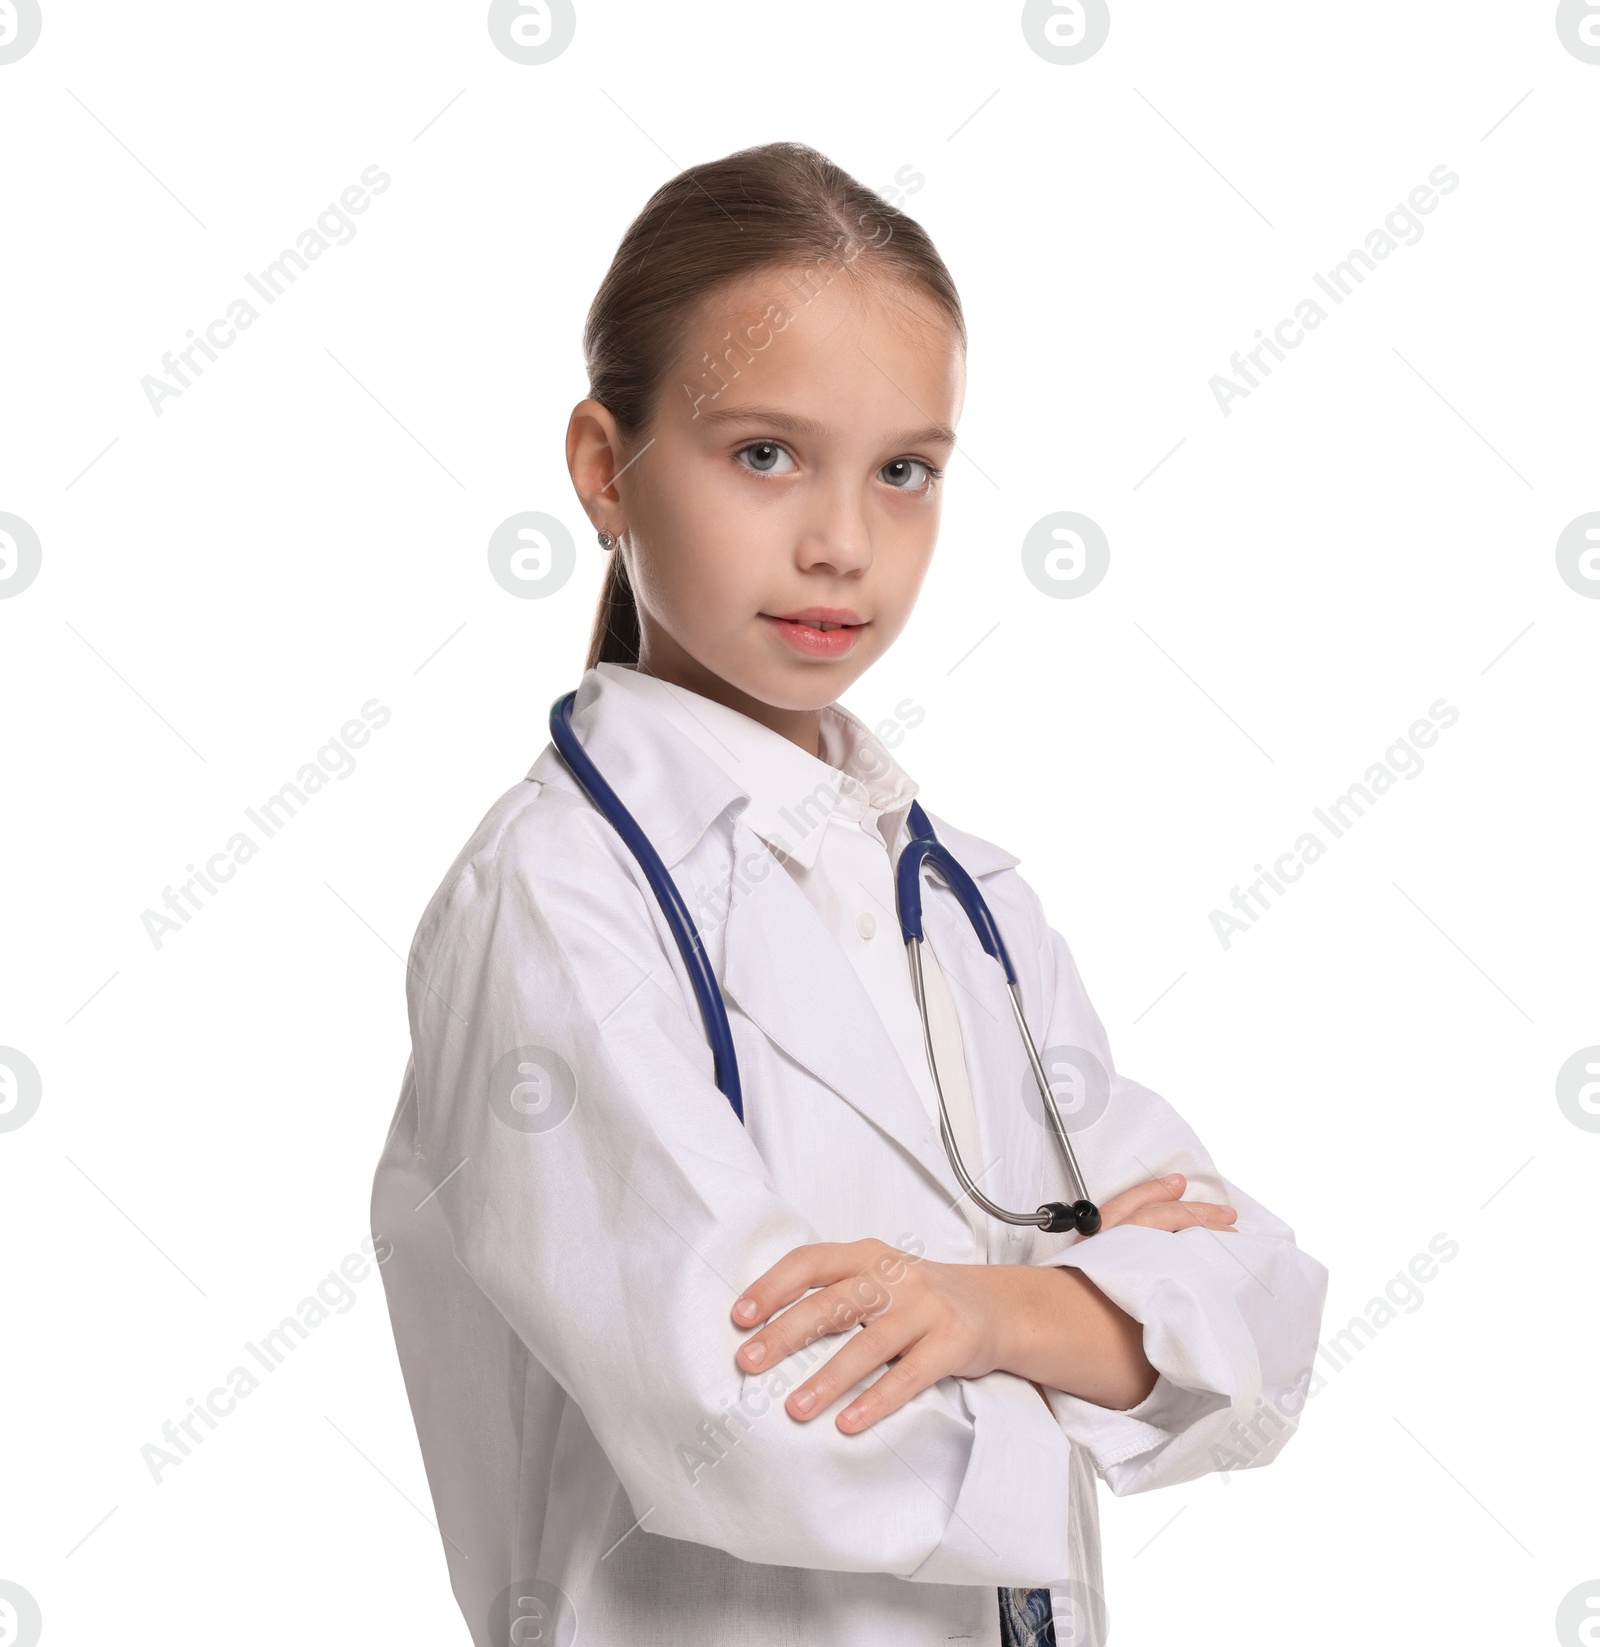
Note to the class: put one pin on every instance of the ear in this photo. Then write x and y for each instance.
(595, 455)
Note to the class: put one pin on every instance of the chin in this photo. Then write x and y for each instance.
(807, 686)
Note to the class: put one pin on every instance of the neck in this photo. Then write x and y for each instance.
(669, 662)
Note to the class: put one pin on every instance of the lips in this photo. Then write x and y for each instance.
(822, 617)
(818, 631)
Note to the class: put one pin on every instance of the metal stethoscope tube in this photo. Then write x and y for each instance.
(1054, 1216)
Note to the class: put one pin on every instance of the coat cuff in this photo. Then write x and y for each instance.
(1201, 1307)
(1114, 1435)
(1011, 1522)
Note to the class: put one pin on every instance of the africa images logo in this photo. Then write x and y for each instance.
(20, 553)
(532, 31)
(20, 23)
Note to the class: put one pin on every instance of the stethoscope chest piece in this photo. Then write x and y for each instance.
(1082, 1216)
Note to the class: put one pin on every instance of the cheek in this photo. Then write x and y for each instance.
(688, 531)
(699, 576)
(911, 541)
(719, 536)
(708, 580)
(902, 569)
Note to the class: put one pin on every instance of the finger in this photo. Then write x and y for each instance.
(833, 1309)
(816, 1265)
(914, 1372)
(1151, 1191)
(873, 1347)
(1184, 1215)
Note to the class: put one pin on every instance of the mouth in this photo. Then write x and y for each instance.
(818, 631)
(824, 618)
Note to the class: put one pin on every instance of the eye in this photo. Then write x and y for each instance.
(764, 457)
(902, 474)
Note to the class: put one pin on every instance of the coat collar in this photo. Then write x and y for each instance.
(782, 966)
(674, 790)
(792, 795)
(677, 792)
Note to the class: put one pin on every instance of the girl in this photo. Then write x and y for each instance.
(683, 1380)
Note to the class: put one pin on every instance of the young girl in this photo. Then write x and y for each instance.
(682, 1377)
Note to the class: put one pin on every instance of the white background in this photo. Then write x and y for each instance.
(304, 529)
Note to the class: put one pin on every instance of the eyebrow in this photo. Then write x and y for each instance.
(788, 423)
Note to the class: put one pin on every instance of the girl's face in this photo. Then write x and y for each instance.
(789, 481)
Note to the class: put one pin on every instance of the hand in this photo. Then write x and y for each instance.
(926, 1320)
(1155, 1203)
(923, 1320)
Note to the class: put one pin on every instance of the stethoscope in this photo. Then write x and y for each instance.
(924, 849)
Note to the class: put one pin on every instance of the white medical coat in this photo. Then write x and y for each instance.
(837, 822)
(573, 1208)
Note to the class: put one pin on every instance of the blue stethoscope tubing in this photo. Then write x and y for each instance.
(924, 850)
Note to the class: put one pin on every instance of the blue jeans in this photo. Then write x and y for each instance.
(1026, 1619)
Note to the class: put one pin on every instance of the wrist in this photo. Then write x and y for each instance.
(1063, 1332)
(1044, 1329)
(1031, 1318)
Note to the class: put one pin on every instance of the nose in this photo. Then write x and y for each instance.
(835, 535)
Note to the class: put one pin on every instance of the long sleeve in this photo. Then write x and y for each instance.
(1231, 1319)
(602, 1195)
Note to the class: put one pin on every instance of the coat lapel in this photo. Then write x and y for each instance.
(792, 980)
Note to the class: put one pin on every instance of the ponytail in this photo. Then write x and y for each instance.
(615, 635)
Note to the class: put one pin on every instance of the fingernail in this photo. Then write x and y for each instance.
(804, 1402)
(745, 1309)
(755, 1354)
(1173, 1178)
(850, 1415)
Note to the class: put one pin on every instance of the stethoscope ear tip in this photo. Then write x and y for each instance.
(1082, 1216)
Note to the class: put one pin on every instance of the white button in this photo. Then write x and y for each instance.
(865, 924)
